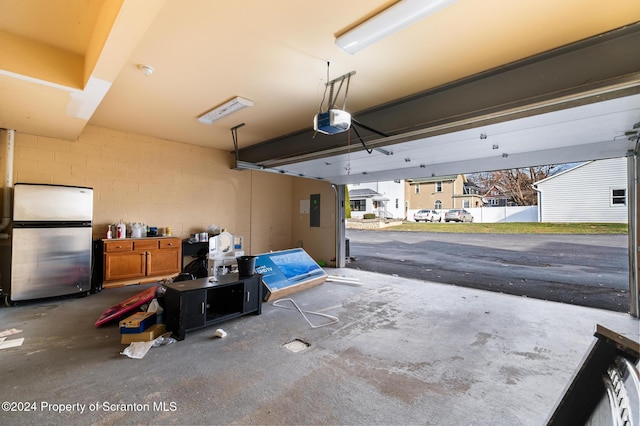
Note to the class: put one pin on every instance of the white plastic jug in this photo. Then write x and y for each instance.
(121, 230)
(136, 230)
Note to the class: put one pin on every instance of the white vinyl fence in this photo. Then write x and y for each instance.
(505, 214)
(495, 214)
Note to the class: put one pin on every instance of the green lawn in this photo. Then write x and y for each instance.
(514, 228)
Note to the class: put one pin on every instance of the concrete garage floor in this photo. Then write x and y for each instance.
(403, 352)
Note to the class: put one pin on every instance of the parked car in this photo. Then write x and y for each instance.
(458, 215)
(427, 216)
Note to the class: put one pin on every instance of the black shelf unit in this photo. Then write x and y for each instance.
(195, 304)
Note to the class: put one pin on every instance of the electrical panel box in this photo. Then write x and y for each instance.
(314, 214)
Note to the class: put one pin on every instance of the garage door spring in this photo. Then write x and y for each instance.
(297, 308)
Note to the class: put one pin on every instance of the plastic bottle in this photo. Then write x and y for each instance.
(121, 230)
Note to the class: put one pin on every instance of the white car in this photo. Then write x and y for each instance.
(458, 215)
(427, 215)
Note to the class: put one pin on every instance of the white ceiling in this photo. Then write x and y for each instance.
(69, 63)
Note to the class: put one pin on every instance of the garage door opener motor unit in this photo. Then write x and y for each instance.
(334, 120)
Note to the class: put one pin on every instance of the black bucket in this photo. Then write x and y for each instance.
(246, 266)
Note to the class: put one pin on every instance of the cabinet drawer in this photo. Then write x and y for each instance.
(170, 243)
(145, 244)
(114, 246)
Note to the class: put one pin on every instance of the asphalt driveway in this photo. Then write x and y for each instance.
(585, 270)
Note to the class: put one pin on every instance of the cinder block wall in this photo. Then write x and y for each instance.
(319, 242)
(165, 183)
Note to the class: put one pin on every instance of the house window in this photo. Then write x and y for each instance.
(618, 197)
(416, 188)
(397, 203)
(438, 205)
(494, 202)
(465, 204)
(358, 205)
(438, 186)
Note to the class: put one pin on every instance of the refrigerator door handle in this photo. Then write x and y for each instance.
(53, 224)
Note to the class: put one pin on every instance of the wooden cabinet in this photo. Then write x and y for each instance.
(190, 305)
(167, 259)
(132, 260)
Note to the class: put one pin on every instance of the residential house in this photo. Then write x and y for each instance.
(362, 202)
(495, 196)
(595, 191)
(441, 193)
(384, 199)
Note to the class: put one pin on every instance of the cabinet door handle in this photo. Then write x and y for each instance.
(170, 244)
(202, 307)
(248, 295)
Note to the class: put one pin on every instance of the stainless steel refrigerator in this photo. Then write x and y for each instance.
(50, 243)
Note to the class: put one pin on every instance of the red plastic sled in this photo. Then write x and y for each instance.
(119, 310)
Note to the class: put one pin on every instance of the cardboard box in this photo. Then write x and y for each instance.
(156, 330)
(137, 323)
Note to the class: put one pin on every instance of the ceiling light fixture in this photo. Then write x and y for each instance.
(146, 69)
(245, 165)
(387, 22)
(225, 109)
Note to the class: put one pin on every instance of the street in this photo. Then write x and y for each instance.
(586, 270)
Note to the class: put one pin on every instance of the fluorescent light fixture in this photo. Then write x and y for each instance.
(387, 22)
(226, 108)
(245, 165)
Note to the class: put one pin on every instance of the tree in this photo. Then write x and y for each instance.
(517, 184)
(347, 203)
